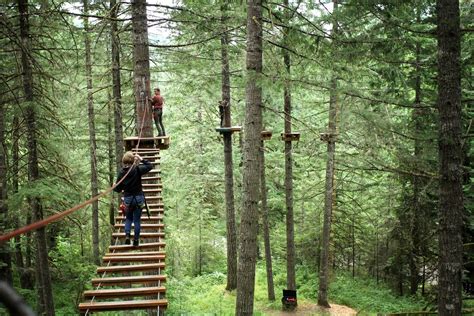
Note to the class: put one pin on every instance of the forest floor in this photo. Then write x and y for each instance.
(313, 309)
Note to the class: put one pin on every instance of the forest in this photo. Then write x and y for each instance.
(320, 157)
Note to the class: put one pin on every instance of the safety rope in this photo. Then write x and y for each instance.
(58, 216)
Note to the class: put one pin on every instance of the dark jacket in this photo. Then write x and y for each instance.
(132, 184)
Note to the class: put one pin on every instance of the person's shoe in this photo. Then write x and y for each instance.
(127, 239)
(136, 242)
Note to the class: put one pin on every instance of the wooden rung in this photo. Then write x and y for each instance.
(142, 235)
(156, 205)
(119, 220)
(149, 245)
(153, 211)
(135, 253)
(140, 279)
(122, 305)
(132, 267)
(231, 129)
(134, 291)
(151, 190)
(289, 137)
(146, 149)
(138, 258)
(157, 226)
(154, 171)
(151, 185)
(151, 178)
(154, 197)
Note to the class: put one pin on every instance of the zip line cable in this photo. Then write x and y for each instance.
(58, 216)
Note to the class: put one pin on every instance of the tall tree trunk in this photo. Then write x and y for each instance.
(251, 170)
(5, 255)
(200, 152)
(290, 225)
(266, 226)
(92, 139)
(110, 149)
(416, 211)
(450, 157)
(228, 163)
(42, 265)
(116, 85)
(329, 196)
(26, 280)
(141, 70)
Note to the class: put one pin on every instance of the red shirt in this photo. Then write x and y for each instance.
(157, 101)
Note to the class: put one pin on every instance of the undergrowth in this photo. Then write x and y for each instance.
(206, 294)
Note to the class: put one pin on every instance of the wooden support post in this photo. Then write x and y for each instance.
(328, 137)
(290, 137)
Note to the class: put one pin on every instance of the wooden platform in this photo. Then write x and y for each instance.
(290, 137)
(266, 135)
(232, 129)
(147, 144)
(133, 278)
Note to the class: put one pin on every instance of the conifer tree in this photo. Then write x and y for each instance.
(251, 169)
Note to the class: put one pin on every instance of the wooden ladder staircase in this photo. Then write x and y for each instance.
(133, 278)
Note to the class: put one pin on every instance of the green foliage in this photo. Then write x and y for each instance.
(71, 275)
(206, 295)
(366, 296)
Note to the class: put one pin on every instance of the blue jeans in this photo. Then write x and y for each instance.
(133, 205)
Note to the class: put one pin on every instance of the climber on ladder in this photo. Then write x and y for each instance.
(134, 198)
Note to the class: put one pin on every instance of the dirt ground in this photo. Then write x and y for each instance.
(313, 309)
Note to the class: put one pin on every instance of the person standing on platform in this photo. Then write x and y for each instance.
(134, 198)
(157, 103)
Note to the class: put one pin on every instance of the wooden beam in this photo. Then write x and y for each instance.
(122, 305)
(132, 267)
(149, 245)
(136, 291)
(157, 226)
(135, 253)
(142, 235)
(137, 258)
(126, 280)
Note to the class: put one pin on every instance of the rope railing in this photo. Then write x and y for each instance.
(53, 218)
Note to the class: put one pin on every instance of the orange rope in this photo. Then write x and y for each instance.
(58, 216)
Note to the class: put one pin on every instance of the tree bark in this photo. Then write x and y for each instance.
(141, 70)
(417, 181)
(5, 252)
(26, 280)
(228, 163)
(330, 194)
(42, 265)
(116, 85)
(266, 228)
(450, 157)
(290, 225)
(251, 170)
(92, 139)
(112, 169)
